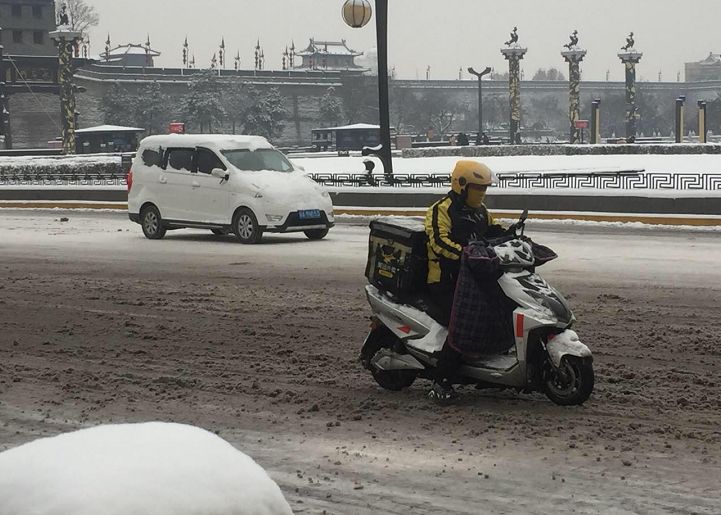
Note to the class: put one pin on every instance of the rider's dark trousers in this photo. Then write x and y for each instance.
(449, 360)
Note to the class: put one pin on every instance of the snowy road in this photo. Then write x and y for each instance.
(98, 324)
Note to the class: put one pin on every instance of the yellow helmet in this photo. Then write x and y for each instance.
(470, 179)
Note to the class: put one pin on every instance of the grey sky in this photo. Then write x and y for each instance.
(445, 34)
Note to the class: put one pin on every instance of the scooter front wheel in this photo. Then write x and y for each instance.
(571, 383)
(394, 380)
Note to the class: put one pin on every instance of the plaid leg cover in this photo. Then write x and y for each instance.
(481, 321)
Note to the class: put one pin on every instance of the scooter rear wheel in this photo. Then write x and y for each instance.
(394, 380)
(571, 383)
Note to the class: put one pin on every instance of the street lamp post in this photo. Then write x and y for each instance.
(356, 14)
(480, 75)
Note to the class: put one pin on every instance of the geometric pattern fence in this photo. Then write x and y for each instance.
(597, 180)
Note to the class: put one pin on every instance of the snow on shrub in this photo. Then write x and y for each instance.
(151, 468)
(51, 166)
(562, 150)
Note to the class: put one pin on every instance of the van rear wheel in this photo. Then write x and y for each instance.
(152, 223)
(246, 228)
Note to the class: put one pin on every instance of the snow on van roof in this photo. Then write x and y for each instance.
(211, 141)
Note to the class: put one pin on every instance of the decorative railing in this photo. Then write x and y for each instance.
(609, 180)
(631, 179)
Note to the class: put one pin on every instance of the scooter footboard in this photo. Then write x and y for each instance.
(566, 344)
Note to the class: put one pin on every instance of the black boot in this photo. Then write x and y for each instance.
(442, 392)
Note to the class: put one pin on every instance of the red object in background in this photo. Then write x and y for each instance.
(129, 179)
(176, 128)
(581, 124)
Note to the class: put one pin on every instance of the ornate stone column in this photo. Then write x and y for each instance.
(573, 56)
(514, 53)
(66, 40)
(630, 57)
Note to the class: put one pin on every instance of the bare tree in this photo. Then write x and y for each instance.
(438, 111)
(82, 16)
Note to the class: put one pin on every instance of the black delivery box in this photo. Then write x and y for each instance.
(397, 256)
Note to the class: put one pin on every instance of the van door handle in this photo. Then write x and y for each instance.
(163, 180)
(196, 184)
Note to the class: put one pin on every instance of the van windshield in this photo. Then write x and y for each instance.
(260, 159)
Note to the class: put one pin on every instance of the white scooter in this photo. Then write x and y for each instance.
(546, 355)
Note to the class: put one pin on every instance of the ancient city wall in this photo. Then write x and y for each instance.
(34, 120)
(544, 103)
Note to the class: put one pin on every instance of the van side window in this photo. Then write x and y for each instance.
(150, 157)
(206, 160)
(181, 159)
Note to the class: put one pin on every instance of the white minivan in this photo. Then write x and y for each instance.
(238, 184)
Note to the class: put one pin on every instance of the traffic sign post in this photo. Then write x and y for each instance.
(581, 124)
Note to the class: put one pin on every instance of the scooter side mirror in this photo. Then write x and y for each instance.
(524, 215)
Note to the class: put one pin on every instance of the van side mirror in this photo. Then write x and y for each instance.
(220, 173)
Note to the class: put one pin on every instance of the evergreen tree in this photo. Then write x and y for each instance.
(360, 99)
(202, 104)
(119, 106)
(235, 102)
(153, 109)
(265, 113)
(330, 110)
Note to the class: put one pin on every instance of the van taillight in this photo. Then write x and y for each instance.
(129, 179)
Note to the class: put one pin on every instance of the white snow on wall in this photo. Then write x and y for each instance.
(140, 469)
(657, 163)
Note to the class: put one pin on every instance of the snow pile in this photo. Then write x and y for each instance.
(152, 468)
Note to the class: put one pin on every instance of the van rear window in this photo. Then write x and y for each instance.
(150, 157)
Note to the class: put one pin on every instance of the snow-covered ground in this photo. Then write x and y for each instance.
(260, 343)
(140, 469)
(625, 251)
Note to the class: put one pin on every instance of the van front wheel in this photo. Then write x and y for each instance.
(246, 228)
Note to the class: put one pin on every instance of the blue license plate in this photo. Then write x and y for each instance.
(309, 214)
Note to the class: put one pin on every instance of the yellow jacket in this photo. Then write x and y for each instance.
(450, 225)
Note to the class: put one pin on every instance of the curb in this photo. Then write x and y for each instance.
(698, 220)
(701, 221)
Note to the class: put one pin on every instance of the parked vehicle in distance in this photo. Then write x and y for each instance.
(225, 183)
